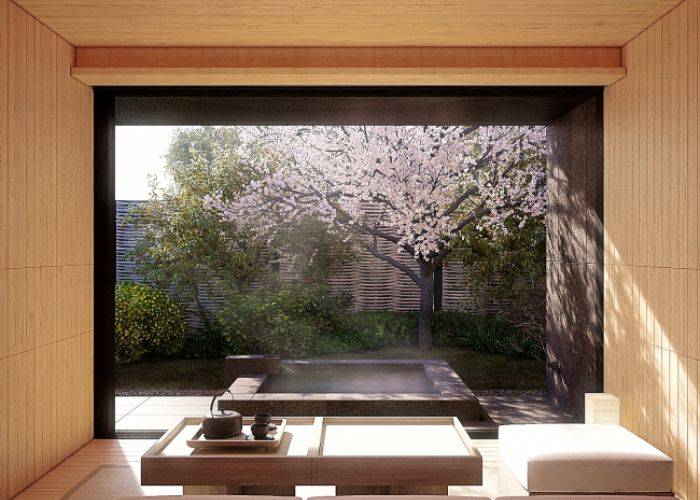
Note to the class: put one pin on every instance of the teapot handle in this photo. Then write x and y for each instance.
(217, 396)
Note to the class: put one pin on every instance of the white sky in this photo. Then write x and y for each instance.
(139, 152)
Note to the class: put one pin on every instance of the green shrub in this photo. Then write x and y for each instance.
(329, 313)
(344, 340)
(386, 328)
(295, 322)
(282, 322)
(485, 333)
(147, 322)
(205, 343)
(300, 322)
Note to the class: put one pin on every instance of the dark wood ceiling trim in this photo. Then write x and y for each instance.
(347, 57)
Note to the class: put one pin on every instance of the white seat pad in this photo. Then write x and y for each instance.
(589, 497)
(583, 458)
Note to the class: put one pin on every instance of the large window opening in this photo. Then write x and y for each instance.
(397, 239)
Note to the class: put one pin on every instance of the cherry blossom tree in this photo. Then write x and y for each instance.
(427, 183)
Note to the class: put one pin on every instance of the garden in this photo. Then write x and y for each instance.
(268, 240)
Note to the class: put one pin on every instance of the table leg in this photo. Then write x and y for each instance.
(282, 491)
(362, 490)
(205, 490)
(418, 490)
(285, 491)
(391, 490)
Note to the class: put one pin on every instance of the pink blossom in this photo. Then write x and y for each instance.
(417, 185)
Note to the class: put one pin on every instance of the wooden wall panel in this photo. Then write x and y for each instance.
(341, 23)
(45, 252)
(4, 169)
(652, 238)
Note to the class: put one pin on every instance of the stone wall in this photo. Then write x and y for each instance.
(575, 256)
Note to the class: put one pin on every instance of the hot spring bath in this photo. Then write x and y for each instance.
(348, 388)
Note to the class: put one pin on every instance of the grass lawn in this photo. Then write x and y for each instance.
(480, 371)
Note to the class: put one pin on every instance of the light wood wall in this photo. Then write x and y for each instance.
(652, 240)
(46, 258)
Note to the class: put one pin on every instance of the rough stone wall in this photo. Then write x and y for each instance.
(575, 256)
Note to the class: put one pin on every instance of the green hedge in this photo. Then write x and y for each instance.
(485, 333)
(147, 322)
(286, 322)
(303, 322)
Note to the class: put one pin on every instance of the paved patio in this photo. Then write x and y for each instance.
(524, 409)
(162, 412)
(157, 412)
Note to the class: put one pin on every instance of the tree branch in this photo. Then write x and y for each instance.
(476, 214)
(469, 130)
(483, 161)
(363, 228)
(376, 233)
(446, 249)
(460, 199)
(390, 260)
(444, 252)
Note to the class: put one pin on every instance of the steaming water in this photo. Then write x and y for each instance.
(351, 378)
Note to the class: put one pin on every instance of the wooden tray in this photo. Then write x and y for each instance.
(243, 440)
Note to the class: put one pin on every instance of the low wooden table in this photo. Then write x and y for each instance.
(360, 455)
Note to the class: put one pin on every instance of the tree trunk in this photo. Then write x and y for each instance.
(425, 315)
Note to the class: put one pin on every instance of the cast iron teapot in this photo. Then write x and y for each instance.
(221, 424)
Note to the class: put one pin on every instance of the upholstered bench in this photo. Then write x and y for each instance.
(580, 458)
(586, 497)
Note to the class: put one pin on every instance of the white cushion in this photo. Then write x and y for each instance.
(590, 497)
(583, 458)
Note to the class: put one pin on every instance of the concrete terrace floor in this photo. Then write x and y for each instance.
(523, 409)
(162, 412)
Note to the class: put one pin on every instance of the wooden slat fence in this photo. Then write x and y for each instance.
(373, 284)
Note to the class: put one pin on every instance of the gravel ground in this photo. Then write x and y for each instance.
(164, 392)
(509, 392)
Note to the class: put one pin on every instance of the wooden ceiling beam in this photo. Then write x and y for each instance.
(345, 57)
(348, 76)
(348, 66)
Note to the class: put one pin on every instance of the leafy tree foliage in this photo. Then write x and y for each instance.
(428, 183)
(147, 322)
(189, 247)
(186, 245)
(314, 252)
(509, 269)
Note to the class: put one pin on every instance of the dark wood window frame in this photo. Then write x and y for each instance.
(275, 106)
